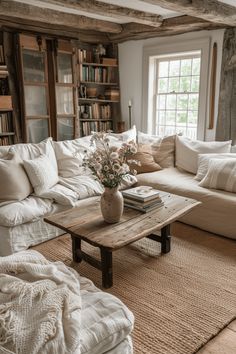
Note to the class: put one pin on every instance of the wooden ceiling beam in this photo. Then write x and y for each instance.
(209, 10)
(17, 10)
(170, 27)
(114, 11)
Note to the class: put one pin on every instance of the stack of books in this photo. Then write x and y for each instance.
(142, 198)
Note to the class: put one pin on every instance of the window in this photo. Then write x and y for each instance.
(176, 96)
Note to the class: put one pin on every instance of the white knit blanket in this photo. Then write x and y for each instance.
(40, 306)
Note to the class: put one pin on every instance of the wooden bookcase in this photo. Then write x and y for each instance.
(6, 117)
(99, 94)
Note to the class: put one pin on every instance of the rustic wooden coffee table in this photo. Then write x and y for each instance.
(87, 224)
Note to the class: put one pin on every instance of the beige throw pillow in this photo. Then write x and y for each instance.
(163, 148)
(187, 151)
(146, 160)
(221, 174)
(203, 163)
(14, 183)
(42, 174)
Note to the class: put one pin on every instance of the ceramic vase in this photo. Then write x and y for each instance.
(112, 205)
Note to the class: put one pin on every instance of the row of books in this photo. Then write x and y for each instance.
(2, 59)
(142, 198)
(97, 74)
(6, 140)
(3, 71)
(88, 127)
(95, 111)
(85, 55)
(6, 122)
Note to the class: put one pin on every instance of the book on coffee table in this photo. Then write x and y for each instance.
(141, 194)
(145, 209)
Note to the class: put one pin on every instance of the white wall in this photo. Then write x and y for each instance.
(131, 73)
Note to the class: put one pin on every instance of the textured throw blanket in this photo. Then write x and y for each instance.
(40, 306)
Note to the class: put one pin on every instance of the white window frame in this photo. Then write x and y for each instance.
(149, 80)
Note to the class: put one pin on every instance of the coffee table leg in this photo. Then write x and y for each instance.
(107, 274)
(76, 248)
(165, 239)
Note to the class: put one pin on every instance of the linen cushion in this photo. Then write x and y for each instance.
(42, 174)
(203, 162)
(123, 137)
(31, 151)
(70, 154)
(145, 158)
(187, 151)
(14, 183)
(163, 148)
(233, 149)
(221, 174)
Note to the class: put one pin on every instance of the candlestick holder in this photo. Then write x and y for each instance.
(130, 115)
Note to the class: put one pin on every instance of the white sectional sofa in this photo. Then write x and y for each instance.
(21, 222)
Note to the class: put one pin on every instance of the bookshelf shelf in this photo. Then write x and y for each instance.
(7, 134)
(97, 64)
(97, 100)
(96, 120)
(99, 83)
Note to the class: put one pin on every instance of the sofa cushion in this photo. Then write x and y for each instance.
(42, 174)
(163, 148)
(105, 320)
(221, 174)
(14, 183)
(187, 151)
(216, 213)
(118, 139)
(203, 162)
(27, 210)
(145, 158)
(31, 151)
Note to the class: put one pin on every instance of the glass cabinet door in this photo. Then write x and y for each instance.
(65, 92)
(35, 87)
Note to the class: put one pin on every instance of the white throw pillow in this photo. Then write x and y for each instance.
(31, 151)
(163, 148)
(118, 139)
(70, 154)
(221, 174)
(203, 162)
(42, 174)
(187, 151)
(233, 148)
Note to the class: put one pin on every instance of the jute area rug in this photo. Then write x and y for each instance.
(180, 300)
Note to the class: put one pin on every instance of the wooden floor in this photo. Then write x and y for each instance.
(224, 343)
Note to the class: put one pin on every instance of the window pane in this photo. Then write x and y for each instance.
(186, 67)
(191, 133)
(185, 84)
(170, 117)
(171, 102)
(64, 64)
(182, 102)
(193, 102)
(182, 117)
(173, 84)
(196, 66)
(192, 118)
(65, 100)
(195, 84)
(174, 68)
(161, 117)
(35, 101)
(162, 85)
(65, 129)
(33, 66)
(37, 130)
(163, 69)
(161, 102)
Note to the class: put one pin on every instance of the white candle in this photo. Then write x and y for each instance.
(130, 103)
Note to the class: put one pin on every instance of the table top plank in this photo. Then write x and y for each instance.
(88, 224)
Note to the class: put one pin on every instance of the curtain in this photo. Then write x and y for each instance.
(226, 122)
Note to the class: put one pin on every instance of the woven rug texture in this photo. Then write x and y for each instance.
(180, 300)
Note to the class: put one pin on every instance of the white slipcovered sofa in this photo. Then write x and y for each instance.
(21, 222)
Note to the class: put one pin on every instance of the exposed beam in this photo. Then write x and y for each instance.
(114, 11)
(209, 10)
(170, 27)
(17, 10)
(23, 26)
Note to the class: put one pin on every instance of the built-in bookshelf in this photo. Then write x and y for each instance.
(99, 93)
(6, 117)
